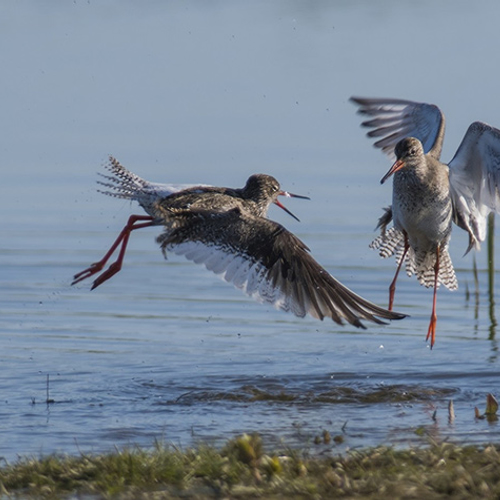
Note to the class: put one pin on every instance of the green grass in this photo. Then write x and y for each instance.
(242, 469)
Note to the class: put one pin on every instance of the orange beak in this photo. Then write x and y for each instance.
(398, 165)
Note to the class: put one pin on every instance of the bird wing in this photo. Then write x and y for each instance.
(125, 184)
(394, 119)
(475, 180)
(267, 262)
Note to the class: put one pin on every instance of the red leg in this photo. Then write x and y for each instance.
(432, 325)
(116, 266)
(392, 287)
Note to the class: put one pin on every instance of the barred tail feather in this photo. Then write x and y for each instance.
(125, 184)
(447, 272)
(122, 183)
(392, 242)
(423, 266)
(425, 270)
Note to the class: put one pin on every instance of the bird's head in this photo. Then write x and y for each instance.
(264, 189)
(407, 151)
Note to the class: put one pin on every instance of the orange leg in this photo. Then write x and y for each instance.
(432, 325)
(392, 287)
(116, 266)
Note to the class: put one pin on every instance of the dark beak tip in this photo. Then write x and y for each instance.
(291, 195)
(300, 196)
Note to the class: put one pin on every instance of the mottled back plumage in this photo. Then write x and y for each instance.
(227, 230)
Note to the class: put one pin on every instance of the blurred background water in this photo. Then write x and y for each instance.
(211, 92)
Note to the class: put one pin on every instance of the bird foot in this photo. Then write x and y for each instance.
(86, 273)
(106, 275)
(431, 332)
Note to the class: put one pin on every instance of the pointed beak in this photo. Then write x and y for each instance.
(398, 165)
(289, 195)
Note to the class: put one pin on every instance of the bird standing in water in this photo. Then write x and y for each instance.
(429, 195)
(227, 230)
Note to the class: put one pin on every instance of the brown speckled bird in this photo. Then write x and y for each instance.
(227, 230)
(427, 194)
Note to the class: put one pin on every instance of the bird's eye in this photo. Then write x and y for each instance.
(413, 151)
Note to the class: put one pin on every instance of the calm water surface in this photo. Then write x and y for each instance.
(183, 92)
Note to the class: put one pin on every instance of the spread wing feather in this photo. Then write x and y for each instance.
(123, 183)
(267, 262)
(475, 180)
(396, 119)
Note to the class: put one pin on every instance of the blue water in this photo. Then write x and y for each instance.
(211, 93)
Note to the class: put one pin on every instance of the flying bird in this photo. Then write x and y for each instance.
(227, 230)
(428, 195)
